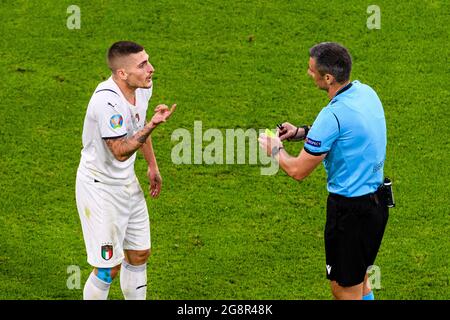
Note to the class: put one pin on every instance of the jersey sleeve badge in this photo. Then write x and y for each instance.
(116, 121)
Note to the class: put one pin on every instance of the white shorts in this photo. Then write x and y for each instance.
(113, 218)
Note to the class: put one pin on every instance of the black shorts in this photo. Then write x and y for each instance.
(353, 234)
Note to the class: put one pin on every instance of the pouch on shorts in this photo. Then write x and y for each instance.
(386, 193)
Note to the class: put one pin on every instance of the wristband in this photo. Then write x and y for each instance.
(306, 128)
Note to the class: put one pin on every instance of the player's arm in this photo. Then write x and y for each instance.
(149, 154)
(123, 148)
(301, 166)
(154, 177)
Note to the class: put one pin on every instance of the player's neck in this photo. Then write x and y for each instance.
(128, 92)
(334, 88)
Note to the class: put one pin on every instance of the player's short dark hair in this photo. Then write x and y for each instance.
(121, 49)
(332, 58)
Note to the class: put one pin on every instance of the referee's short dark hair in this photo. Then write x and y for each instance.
(121, 49)
(332, 58)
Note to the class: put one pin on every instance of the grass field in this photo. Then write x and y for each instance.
(222, 231)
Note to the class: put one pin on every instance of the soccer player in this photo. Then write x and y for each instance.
(110, 201)
(349, 137)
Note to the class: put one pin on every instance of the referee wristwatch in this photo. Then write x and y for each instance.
(303, 137)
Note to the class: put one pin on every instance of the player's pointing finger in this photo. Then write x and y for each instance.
(161, 107)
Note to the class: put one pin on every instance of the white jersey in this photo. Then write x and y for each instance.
(110, 115)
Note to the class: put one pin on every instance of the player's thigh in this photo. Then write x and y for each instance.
(137, 234)
(98, 213)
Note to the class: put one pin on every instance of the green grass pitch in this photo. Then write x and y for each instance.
(222, 231)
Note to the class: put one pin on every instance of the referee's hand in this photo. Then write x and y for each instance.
(287, 131)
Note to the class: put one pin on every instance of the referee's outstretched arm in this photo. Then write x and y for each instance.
(301, 166)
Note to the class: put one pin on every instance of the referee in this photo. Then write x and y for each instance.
(349, 137)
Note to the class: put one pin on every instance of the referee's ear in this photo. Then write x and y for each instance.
(329, 79)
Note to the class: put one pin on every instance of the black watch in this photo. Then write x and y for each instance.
(276, 150)
(306, 128)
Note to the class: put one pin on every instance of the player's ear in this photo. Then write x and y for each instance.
(121, 73)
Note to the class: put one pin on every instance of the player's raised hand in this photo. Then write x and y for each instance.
(162, 113)
(287, 131)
